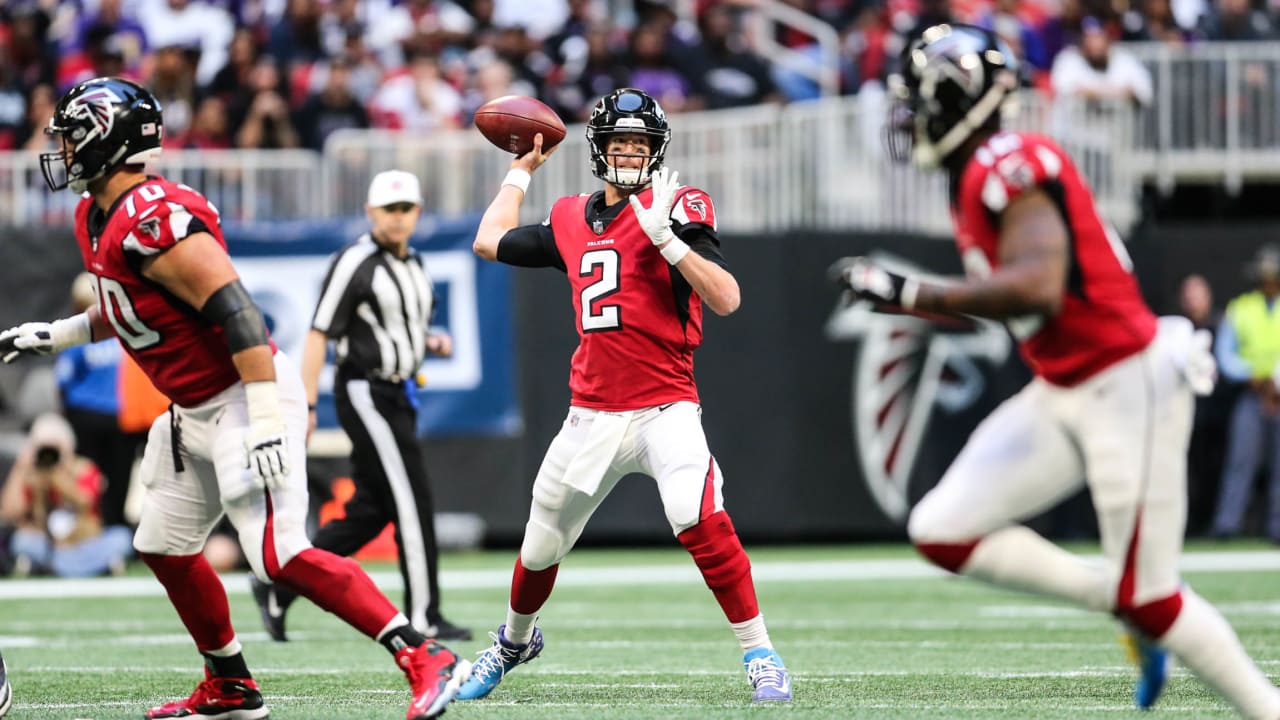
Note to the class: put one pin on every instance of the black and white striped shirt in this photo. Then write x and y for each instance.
(377, 307)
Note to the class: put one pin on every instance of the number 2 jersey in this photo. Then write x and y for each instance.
(1103, 318)
(638, 319)
(184, 355)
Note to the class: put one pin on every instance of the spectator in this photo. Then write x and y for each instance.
(731, 76)
(492, 79)
(88, 376)
(1248, 351)
(130, 37)
(185, 23)
(32, 56)
(435, 23)
(40, 106)
(1235, 20)
(296, 39)
(1098, 71)
(1208, 433)
(173, 82)
(13, 101)
(209, 130)
(653, 72)
(261, 115)
(51, 495)
(598, 71)
(333, 108)
(1152, 20)
(418, 100)
(234, 76)
(1010, 20)
(102, 55)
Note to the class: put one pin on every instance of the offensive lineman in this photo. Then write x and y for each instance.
(234, 438)
(1111, 401)
(640, 276)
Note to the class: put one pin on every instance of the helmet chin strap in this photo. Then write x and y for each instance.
(929, 155)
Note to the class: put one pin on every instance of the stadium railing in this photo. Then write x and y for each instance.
(816, 164)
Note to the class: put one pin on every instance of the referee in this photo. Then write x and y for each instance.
(376, 304)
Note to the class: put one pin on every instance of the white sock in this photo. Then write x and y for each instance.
(1205, 643)
(519, 627)
(752, 633)
(1017, 558)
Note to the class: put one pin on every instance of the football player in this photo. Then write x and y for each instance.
(1110, 404)
(233, 440)
(642, 258)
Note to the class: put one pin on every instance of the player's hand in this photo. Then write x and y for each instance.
(33, 338)
(266, 442)
(1202, 369)
(655, 220)
(533, 159)
(866, 280)
(440, 344)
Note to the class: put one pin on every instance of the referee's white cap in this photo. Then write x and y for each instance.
(394, 186)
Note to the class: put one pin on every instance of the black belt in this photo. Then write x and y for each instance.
(354, 373)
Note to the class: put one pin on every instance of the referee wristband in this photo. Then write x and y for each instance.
(518, 178)
(675, 250)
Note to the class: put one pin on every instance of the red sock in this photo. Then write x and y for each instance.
(725, 567)
(339, 585)
(531, 588)
(198, 596)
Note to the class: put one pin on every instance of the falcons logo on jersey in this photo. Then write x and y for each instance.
(905, 366)
(96, 106)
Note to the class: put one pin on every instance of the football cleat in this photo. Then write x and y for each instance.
(442, 629)
(273, 601)
(216, 698)
(6, 691)
(1153, 668)
(434, 672)
(767, 675)
(496, 661)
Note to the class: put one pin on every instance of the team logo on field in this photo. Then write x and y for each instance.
(905, 366)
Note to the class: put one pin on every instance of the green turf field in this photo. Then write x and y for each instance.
(868, 632)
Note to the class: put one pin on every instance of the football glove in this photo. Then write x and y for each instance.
(866, 280)
(43, 338)
(655, 220)
(266, 441)
(1201, 370)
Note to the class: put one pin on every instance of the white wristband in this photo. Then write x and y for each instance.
(72, 331)
(910, 291)
(675, 250)
(518, 178)
(263, 399)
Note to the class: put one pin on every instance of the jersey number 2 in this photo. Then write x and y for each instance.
(120, 313)
(597, 317)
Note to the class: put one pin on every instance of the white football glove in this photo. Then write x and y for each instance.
(44, 338)
(266, 442)
(867, 280)
(1202, 369)
(655, 220)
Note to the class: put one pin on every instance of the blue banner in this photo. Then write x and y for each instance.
(472, 392)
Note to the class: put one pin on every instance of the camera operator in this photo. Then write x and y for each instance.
(51, 497)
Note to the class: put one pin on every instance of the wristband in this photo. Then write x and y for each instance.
(910, 291)
(675, 250)
(263, 399)
(518, 178)
(72, 331)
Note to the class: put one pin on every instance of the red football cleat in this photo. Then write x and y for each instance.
(217, 698)
(434, 673)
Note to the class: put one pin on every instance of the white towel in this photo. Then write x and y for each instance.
(1192, 352)
(587, 468)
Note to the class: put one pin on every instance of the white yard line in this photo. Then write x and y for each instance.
(672, 574)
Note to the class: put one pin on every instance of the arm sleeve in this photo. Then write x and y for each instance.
(703, 241)
(531, 246)
(339, 293)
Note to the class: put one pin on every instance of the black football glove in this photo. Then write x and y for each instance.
(862, 278)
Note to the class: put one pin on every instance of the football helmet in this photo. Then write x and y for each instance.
(627, 111)
(102, 124)
(953, 81)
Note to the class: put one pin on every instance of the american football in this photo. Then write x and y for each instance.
(511, 121)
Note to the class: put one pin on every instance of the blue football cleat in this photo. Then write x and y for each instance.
(768, 676)
(496, 661)
(1153, 668)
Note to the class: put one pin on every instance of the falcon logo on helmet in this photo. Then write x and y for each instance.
(96, 107)
(103, 124)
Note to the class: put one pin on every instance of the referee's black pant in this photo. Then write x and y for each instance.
(391, 486)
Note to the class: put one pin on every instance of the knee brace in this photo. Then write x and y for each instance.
(543, 545)
(715, 548)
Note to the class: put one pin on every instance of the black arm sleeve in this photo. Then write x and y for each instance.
(704, 241)
(231, 308)
(530, 246)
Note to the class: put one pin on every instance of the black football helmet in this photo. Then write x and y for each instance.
(953, 80)
(102, 123)
(627, 111)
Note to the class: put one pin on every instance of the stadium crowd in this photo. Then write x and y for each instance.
(286, 73)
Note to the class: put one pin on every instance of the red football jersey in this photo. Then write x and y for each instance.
(184, 355)
(635, 350)
(1103, 317)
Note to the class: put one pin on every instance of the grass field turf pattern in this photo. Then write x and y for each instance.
(867, 631)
